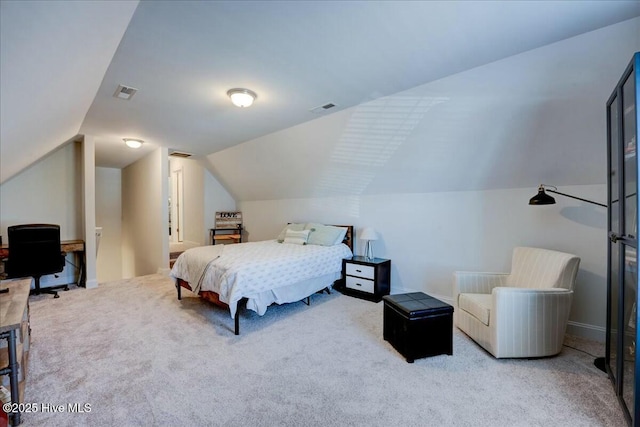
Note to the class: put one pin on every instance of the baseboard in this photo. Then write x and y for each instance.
(583, 330)
(91, 284)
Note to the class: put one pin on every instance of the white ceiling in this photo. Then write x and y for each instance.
(184, 56)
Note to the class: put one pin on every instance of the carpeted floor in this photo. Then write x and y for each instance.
(140, 357)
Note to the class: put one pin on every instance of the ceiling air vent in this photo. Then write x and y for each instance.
(323, 108)
(125, 92)
(179, 154)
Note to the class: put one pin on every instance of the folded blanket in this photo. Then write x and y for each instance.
(193, 263)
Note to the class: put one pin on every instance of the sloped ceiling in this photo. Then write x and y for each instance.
(53, 56)
(537, 117)
(184, 56)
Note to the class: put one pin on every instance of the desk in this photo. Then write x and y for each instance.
(15, 328)
(68, 246)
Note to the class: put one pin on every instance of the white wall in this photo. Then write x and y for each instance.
(47, 192)
(145, 215)
(109, 217)
(428, 236)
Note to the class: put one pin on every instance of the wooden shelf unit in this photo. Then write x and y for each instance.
(226, 235)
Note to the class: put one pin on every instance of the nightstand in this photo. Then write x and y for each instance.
(366, 278)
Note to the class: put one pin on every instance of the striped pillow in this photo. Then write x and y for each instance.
(293, 226)
(296, 237)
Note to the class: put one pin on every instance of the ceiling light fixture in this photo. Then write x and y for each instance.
(133, 143)
(242, 97)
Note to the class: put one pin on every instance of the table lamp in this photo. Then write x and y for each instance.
(369, 234)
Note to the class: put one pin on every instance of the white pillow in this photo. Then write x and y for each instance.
(341, 236)
(325, 235)
(296, 237)
(294, 227)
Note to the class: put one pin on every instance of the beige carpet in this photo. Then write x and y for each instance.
(140, 357)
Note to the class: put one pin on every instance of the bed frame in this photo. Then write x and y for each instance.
(214, 298)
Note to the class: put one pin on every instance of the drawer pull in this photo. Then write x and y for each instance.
(359, 271)
(358, 284)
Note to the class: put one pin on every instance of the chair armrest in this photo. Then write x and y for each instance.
(515, 301)
(531, 320)
(476, 282)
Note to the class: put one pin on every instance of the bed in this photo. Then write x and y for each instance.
(302, 261)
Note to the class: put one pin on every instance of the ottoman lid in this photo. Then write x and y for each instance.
(417, 304)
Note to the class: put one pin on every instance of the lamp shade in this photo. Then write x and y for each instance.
(242, 97)
(542, 198)
(369, 234)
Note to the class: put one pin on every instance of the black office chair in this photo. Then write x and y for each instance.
(34, 250)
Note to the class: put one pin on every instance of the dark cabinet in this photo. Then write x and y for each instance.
(621, 361)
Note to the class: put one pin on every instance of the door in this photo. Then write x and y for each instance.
(622, 309)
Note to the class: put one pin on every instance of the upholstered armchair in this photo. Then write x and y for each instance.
(519, 314)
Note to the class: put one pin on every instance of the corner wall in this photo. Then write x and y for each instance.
(145, 215)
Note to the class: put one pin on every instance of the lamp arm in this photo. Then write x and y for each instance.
(574, 197)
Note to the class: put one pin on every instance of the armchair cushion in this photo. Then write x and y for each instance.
(478, 305)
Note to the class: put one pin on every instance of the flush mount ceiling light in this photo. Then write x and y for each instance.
(133, 143)
(242, 97)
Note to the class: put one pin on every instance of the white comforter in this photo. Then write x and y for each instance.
(245, 270)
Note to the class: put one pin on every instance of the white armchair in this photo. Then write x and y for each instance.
(519, 314)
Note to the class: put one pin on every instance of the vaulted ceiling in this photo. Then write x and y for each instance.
(58, 81)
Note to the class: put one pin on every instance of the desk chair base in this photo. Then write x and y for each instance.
(48, 290)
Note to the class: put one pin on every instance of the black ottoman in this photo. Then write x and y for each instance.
(418, 325)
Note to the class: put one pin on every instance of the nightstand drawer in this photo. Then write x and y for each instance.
(359, 284)
(360, 270)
